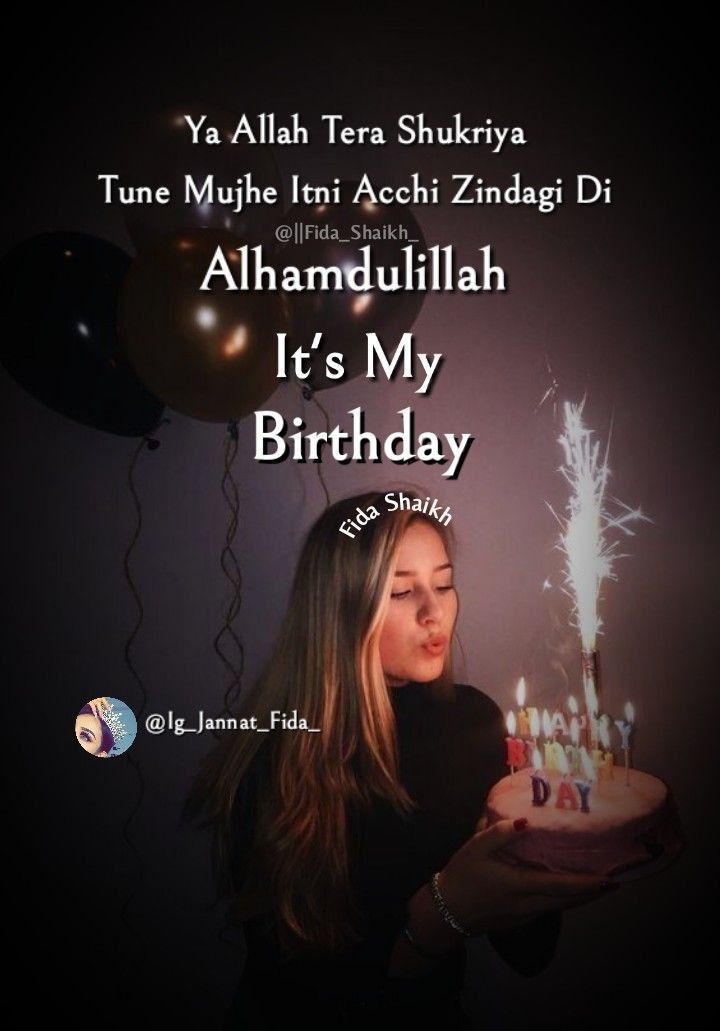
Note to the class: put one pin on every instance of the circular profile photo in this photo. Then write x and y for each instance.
(105, 727)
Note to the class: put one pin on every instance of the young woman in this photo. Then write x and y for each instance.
(92, 731)
(354, 851)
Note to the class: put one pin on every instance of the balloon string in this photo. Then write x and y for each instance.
(152, 444)
(231, 568)
(309, 394)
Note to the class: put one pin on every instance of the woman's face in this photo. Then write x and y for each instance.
(89, 732)
(422, 609)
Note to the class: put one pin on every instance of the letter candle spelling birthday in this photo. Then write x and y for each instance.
(540, 784)
(589, 556)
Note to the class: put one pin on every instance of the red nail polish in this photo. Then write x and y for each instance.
(520, 824)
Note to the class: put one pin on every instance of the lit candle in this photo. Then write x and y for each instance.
(584, 786)
(540, 786)
(626, 727)
(523, 722)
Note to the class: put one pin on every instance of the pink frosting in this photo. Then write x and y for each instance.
(626, 825)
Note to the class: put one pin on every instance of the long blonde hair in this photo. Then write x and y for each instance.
(326, 665)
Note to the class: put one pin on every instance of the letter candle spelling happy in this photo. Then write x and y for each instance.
(523, 722)
(515, 748)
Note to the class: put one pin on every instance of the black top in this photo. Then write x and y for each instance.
(451, 753)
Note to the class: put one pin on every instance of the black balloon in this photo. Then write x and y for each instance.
(211, 355)
(345, 317)
(59, 337)
(161, 153)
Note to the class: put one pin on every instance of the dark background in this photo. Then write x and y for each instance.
(619, 298)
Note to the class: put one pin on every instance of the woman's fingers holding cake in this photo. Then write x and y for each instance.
(485, 891)
(492, 839)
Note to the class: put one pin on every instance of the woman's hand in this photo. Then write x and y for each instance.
(485, 892)
(101, 706)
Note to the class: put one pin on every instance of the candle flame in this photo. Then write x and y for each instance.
(630, 712)
(589, 556)
(537, 759)
(520, 692)
(587, 764)
(534, 723)
(572, 703)
(574, 730)
(511, 723)
(604, 732)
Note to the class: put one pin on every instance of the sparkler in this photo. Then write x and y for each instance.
(585, 532)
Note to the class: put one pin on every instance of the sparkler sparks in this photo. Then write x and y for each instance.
(589, 554)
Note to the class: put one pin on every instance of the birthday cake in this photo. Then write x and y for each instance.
(625, 822)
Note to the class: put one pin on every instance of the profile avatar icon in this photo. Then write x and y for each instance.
(105, 727)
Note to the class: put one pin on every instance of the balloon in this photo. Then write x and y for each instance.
(344, 317)
(59, 338)
(162, 154)
(211, 355)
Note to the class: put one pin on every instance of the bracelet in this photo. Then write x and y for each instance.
(442, 906)
(422, 952)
